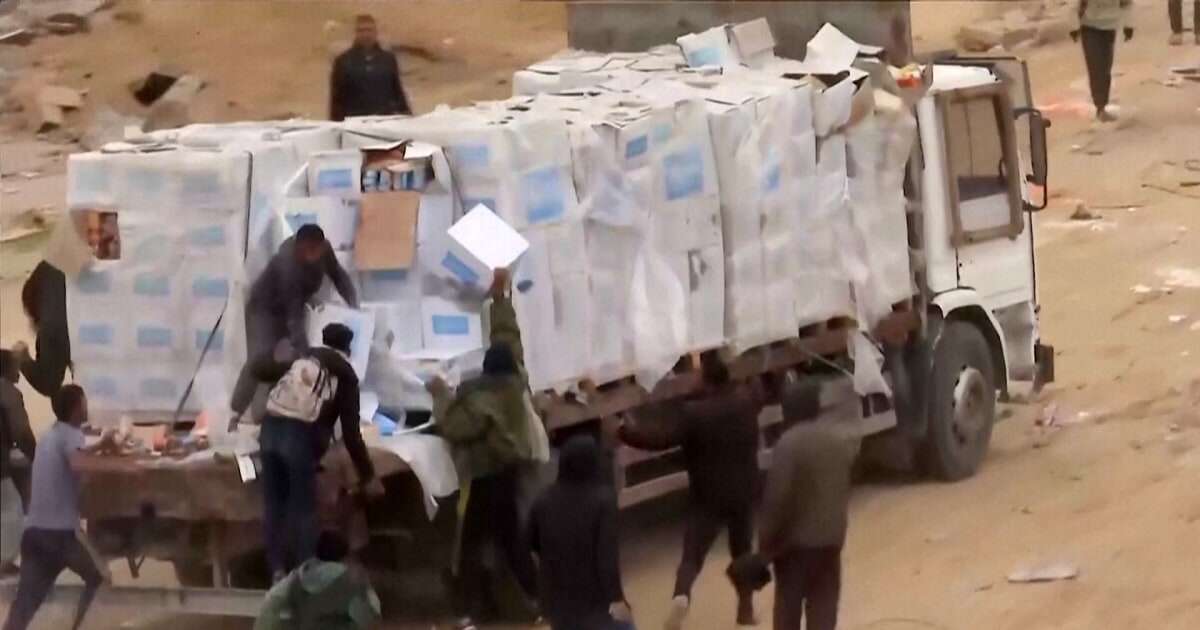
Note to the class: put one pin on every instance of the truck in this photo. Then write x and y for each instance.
(963, 340)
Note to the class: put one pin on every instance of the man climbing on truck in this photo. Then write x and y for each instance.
(309, 396)
(276, 308)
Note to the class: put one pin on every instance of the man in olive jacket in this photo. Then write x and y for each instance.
(805, 512)
(486, 424)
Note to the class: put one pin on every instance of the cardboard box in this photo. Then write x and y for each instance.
(335, 173)
(448, 326)
(387, 231)
(336, 216)
(753, 41)
(478, 244)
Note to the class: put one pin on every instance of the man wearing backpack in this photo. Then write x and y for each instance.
(310, 394)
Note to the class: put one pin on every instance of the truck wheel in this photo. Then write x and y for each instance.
(962, 404)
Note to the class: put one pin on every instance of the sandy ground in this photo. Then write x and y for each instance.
(1111, 492)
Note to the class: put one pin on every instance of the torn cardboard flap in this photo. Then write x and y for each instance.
(387, 230)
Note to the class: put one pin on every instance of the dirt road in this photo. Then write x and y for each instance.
(1113, 491)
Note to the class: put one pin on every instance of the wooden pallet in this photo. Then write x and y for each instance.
(617, 397)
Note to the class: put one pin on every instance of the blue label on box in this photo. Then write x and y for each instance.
(210, 287)
(545, 194)
(201, 187)
(471, 156)
(772, 178)
(218, 340)
(388, 275)
(707, 56)
(93, 282)
(454, 325)
(151, 285)
(335, 179)
(157, 388)
(637, 146)
(208, 236)
(95, 334)
(145, 180)
(153, 337)
(684, 173)
(460, 269)
(298, 219)
(101, 387)
(662, 133)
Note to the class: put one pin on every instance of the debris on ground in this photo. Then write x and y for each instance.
(25, 224)
(1176, 319)
(1082, 213)
(155, 84)
(52, 101)
(66, 24)
(1178, 178)
(1044, 573)
(173, 108)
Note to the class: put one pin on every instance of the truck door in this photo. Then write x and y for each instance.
(987, 218)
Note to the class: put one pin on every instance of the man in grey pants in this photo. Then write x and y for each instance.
(1175, 11)
(275, 310)
(1099, 21)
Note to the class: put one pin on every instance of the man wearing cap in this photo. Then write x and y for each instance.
(309, 395)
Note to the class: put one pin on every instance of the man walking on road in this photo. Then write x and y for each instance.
(718, 431)
(1175, 12)
(366, 79)
(275, 310)
(1099, 21)
(50, 543)
(805, 513)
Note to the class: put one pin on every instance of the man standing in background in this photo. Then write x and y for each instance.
(366, 79)
(1099, 21)
(1175, 11)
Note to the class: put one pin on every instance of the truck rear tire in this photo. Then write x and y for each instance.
(962, 403)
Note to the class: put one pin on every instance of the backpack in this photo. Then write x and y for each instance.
(303, 391)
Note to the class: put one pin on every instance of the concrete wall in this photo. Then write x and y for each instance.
(607, 26)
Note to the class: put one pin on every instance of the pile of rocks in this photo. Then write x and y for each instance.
(1033, 23)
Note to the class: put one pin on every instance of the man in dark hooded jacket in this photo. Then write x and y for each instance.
(718, 431)
(573, 531)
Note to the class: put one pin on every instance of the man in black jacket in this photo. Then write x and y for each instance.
(296, 434)
(718, 430)
(573, 531)
(275, 310)
(44, 297)
(366, 79)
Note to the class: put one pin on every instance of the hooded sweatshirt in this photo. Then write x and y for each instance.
(573, 531)
(320, 596)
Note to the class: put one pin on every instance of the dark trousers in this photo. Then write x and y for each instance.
(808, 581)
(1175, 10)
(493, 515)
(1098, 48)
(263, 332)
(703, 526)
(289, 486)
(44, 555)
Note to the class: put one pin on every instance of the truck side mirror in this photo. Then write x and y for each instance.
(1037, 151)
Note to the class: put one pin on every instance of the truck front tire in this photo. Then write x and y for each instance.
(962, 403)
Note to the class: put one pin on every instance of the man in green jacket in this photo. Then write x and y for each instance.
(485, 422)
(322, 594)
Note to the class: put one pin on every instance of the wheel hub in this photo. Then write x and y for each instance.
(969, 404)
